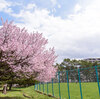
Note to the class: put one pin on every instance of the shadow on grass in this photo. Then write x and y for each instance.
(11, 98)
(49, 95)
(10, 90)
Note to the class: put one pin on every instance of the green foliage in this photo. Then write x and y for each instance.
(9, 77)
(26, 82)
(69, 64)
(87, 75)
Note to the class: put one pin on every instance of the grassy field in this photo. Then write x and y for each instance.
(17, 93)
(89, 90)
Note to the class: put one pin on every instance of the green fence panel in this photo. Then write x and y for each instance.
(80, 83)
(97, 79)
(43, 87)
(59, 84)
(47, 89)
(52, 88)
(68, 84)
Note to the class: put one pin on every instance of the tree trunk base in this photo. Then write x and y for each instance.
(4, 91)
(10, 86)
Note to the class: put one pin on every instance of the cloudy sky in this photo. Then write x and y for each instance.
(71, 26)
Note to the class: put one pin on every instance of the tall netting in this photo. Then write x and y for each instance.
(82, 83)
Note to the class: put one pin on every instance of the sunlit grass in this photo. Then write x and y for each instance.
(89, 90)
(17, 93)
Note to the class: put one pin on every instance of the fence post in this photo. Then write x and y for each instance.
(59, 84)
(80, 83)
(39, 86)
(43, 87)
(68, 84)
(52, 88)
(97, 79)
(34, 87)
(47, 88)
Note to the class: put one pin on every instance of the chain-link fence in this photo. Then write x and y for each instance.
(82, 83)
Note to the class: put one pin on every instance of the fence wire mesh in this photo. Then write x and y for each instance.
(82, 83)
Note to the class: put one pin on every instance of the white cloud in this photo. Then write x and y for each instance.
(31, 6)
(77, 8)
(59, 6)
(5, 6)
(54, 2)
(53, 10)
(76, 37)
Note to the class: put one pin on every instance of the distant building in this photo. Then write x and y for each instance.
(93, 60)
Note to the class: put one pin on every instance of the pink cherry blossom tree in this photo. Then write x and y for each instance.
(25, 53)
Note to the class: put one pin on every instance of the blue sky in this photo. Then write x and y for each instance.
(71, 26)
(56, 7)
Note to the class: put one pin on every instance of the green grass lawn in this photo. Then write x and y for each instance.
(17, 93)
(89, 90)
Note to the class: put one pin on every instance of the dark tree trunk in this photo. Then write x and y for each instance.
(4, 91)
(10, 86)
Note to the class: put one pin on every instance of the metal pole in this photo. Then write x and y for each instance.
(97, 79)
(52, 88)
(34, 87)
(39, 86)
(59, 84)
(68, 84)
(43, 87)
(47, 88)
(80, 83)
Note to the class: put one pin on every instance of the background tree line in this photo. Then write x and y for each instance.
(87, 75)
